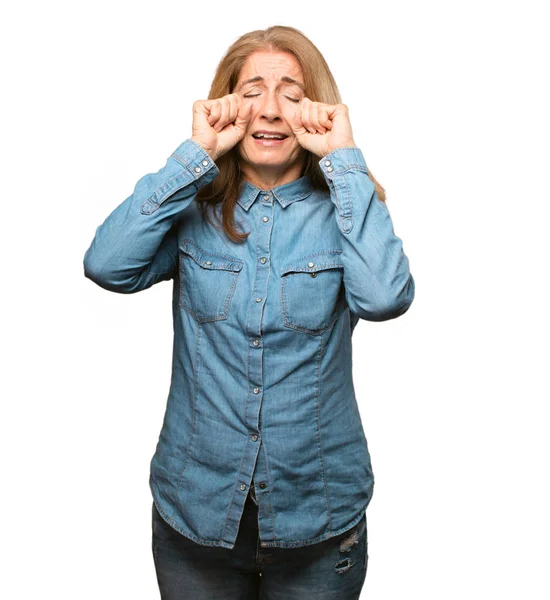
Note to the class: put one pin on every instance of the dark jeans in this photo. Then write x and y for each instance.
(334, 569)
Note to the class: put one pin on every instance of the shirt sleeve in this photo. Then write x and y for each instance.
(378, 283)
(137, 246)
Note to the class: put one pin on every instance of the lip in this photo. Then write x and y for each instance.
(269, 142)
(267, 132)
(272, 142)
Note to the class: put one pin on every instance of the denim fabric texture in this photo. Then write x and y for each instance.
(334, 569)
(261, 389)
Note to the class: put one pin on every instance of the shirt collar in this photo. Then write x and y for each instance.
(286, 194)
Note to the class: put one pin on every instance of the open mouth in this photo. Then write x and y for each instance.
(268, 136)
(269, 139)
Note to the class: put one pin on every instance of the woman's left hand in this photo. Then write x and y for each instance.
(321, 128)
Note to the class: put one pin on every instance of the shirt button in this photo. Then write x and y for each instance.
(265, 219)
(256, 390)
(256, 342)
(259, 299)
(327, 163)
(262, 485)
(310, 264)
(243, 486)
(263, 260)
(204, 163)
(208, 262)
(254, 438)
(198, 169)
(330, 169)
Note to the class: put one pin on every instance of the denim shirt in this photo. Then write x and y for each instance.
(261, 389)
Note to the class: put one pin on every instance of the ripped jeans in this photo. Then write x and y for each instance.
(334, 569)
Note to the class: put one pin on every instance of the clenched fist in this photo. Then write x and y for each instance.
(219, 124)
(321, 128)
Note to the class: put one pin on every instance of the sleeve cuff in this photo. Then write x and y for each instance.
(198, 170)
(341, 160)
(195, 159)
(351, 188)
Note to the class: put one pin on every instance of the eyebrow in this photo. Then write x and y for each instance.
(284, 79)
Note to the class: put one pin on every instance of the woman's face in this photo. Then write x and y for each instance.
(274, 95)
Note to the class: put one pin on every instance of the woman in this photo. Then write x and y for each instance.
(278, 240)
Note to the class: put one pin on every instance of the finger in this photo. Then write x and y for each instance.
(315, 118)
(229, 110)
(331, 110)
(296, 123)
(323, 117)
(215, 112)
(306, 118)
(224, 114)
(200, 107)
(234, 104)
(237, 129)
(243, 116)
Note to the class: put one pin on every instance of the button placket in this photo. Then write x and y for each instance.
(261, 211)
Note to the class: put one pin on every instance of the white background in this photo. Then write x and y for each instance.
(449, 104)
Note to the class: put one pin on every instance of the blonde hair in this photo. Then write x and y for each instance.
(320, 86)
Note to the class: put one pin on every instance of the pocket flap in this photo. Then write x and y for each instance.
(210, 260)
(311, 263)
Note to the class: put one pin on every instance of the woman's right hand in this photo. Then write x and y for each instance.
(219, 124)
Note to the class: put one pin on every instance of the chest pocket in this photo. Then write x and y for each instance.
(310, 287)
(207, 281)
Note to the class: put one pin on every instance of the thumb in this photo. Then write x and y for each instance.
(296, 123)
(234, 132)
(243, 117)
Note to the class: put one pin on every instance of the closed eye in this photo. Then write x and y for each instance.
(254, 95)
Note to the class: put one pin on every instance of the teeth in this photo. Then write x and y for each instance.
(269, 137)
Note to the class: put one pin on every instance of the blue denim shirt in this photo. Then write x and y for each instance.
(261, 390)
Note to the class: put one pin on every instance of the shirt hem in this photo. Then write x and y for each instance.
(319, 539)
(263, 544)
(187, 534)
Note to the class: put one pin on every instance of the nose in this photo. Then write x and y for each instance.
(270, 108)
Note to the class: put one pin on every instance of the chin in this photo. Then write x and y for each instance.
(269, 161)
(267, 157)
